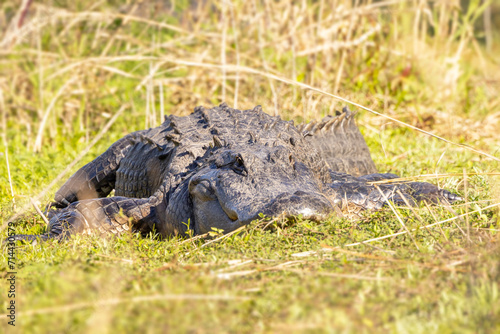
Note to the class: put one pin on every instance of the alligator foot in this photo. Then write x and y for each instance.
(111, 215)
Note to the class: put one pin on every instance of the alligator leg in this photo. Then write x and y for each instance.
(110, 215)
(357, 193)
(97, 178)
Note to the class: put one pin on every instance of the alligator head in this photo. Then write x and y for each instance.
(239, 182)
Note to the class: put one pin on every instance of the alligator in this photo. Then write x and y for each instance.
(223, 168)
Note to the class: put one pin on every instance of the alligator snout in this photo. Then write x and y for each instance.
(209, 211)
(203, 193)
(228, 207)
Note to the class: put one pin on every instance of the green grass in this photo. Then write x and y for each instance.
(440, 78)
(89, 284)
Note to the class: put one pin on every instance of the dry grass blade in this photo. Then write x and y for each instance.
(39, 211)
(223, 48)
(453, 212)
(435, 219)
(238, 230)
(129, 261)
(338, 45)
(8, 173)
(466, 198)
(234, 274)
(119, 72)
(263, 56)
(337, 275)
(38, 142)
(358, 254)
(5, 143)
(285, 267)
(236, 264)
(430, 177)
(138, 299)
(237, 50)
(37, 24)
(197, 237)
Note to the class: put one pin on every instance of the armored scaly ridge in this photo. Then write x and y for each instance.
(221, 168)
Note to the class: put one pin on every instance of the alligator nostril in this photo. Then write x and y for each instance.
(231, 214)
(196, 181)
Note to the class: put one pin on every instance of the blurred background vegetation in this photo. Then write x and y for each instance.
(77, 75)
(68, 66)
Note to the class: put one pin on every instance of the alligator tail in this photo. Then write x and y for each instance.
(340, 143)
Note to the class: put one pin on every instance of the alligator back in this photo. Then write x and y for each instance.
(340, 143)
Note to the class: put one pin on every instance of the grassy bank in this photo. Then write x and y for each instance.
(76, 76)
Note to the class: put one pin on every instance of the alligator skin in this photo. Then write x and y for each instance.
(221, 168)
